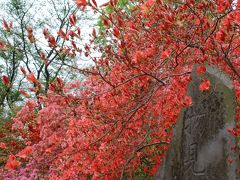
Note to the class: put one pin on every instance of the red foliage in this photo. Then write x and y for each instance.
(205, 85)
(23, 70)
(31, 78)
(12, 163)
(81, 3)
(25, 152)
(2, 45)
(2, 145)
(73, 19)
(201, 69)
(188, 101)
(45, 33)
(7, 26)
(119, 120)
(5, 80)
(52, 41)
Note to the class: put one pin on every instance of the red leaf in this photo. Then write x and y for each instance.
(74, 44)
(106, 22)
(23, 70)
(62, 34)
(52, 87)
(94, 33)
(45, 33)
(72, 34)
(232, 131)
(29, 29)
(116, 32)
(72, 19)
(5, 25)
(94, 2)
(120, 22)
(42, 55)
(81, 3)
(31, 78)
(60, 82)
(52, 41)
(205, 85)
(165, 54)
(12, 163)
(200, 70)
(187, 102)
(35, 90)
(21, 91)
(25, 152)
(31, 38)
(112, 3)
(2, 45)
(2, 145)
(220, 35)
(105, 4)
(78, 31)
(5, 80)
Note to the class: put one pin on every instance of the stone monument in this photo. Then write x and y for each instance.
(201, 147)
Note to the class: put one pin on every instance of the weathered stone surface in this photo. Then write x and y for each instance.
(201, 143)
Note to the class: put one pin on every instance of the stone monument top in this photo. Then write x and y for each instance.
(201, 145)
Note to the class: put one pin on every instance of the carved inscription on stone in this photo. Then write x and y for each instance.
(202, 123)
(201, 144)
(192, 126)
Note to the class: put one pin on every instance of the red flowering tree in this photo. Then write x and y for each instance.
(32, 52)
(118, 122)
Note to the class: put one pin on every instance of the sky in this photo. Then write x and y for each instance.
(102, 1)
(42, 10)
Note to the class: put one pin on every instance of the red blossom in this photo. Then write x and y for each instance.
(52, 41)
(187, 102)
(201, 69)
(45, 33)
(106, 22)
(2, 145)
(94, 34)
(52, 87)
(205, 85)
(95, 3)
(24, 93)
(72, 34)
(81, 3)
(78, 31)
(132, 97)
(232, 131)
(29, 29)
(116, 32)
(62, 34)
(60, 82)
(105, 4)
(23, 70)
(2, 45)
(25, 152)
(220, 35)
(31, 78)
(73, 19)
(5, 80)
(12, 163)
(166, 54)
(6, 26)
